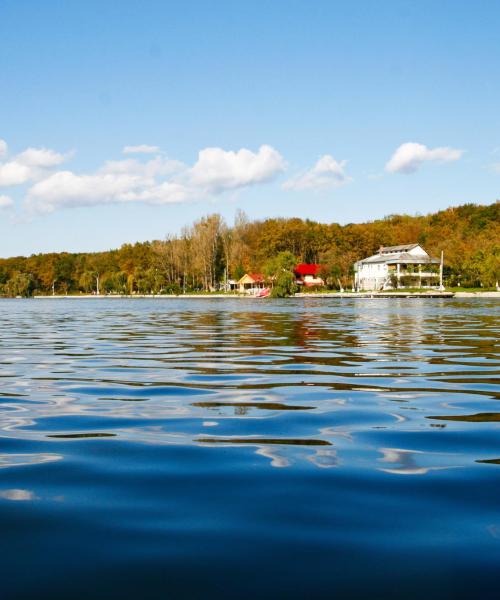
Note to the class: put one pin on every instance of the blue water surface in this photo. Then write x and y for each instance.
(305, 448)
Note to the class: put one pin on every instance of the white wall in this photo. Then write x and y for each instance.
(418, 251)
(372, 276)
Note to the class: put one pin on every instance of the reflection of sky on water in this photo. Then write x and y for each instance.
(278, 459)
(358, 374)
(322, 458)
(307, 441)
(19, 460)
(408, 462)
(17, 495)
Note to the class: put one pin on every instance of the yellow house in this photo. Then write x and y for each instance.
(251, 282)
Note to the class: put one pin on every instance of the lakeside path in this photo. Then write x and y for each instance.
(432, 294)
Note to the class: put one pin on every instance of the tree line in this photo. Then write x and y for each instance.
(209, 253)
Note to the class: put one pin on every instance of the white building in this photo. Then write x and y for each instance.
(403, 266)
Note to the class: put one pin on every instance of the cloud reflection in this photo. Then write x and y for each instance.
(17, 495)
(407, 461)
(18, 460)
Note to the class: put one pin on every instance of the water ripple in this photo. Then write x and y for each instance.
(199, 440)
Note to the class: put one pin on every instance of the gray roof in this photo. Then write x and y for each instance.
(401, 248)
(399, 257)
(404, 257)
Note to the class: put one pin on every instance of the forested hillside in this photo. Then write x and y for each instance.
(209, 251)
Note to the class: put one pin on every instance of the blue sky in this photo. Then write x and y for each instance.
(335, 111)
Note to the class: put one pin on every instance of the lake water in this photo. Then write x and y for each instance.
(307, 448)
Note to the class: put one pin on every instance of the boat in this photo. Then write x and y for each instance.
(264, 293)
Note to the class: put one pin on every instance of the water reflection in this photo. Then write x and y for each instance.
(325, 459)
(281, 426)
(477, 418)
(19, 460)
(69, 370)
(248, 405)
(17, 495)
(406, 462)
(258, 441)
(69, 436)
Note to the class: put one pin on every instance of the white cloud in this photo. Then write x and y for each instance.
(14, 173)
(141, 149)
(410, 156)
(217, 170)
(168, 192)
(326, 173)
(3, 148)
(28, 165)
(40, 157)
(67, 189)
(156, 167)
(159, 180)
(111, 185)
(5, 202)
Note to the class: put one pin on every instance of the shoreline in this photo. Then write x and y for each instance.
(429, 294)
(479, 294)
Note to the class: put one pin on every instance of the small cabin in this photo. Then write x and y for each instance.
(251, 283)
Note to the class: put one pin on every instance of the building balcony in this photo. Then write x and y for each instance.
(414, 274)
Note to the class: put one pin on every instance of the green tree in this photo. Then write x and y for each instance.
(63, 271)
(284, 285)
(280, 272)
(87, 282)
(21, 284)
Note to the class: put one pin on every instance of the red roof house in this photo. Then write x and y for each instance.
(308, 274)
